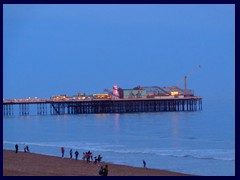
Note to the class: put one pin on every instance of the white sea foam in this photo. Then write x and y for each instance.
(214, 154)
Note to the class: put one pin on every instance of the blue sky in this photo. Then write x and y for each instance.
(66, 49)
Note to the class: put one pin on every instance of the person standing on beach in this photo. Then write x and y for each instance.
(16, 148)
(144, 164)
(76, 154)
(70, 153)
(105, 170)
(99, 158)
(88, 156)
(62, 150)
(84, 156)
(101, 171)
(27, 148)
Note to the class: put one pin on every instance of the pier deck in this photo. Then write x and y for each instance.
(103, 105)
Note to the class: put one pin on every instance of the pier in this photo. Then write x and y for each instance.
(94, 106)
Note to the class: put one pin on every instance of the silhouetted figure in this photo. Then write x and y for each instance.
(62, 150)
(88, 156)
(91, 155)
(99, 158)
(84, 156)
(76, 154)
(16, 148)
(144, 164)
(27, 148)
(105, 170)
(70, 152)
(95, 159)
(101, 171)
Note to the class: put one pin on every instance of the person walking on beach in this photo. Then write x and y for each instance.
(144, 164)
(16, 148)
(76, 154)
(62, 150)
(70, 153)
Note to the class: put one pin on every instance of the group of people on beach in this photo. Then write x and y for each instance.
(88, 156)
(70, 152)
(25, 148)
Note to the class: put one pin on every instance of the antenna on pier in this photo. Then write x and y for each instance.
(185, 78)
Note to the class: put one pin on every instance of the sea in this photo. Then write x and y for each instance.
(198, 143)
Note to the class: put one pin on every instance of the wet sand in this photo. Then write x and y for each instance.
(30, 164)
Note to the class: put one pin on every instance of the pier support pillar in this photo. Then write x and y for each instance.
(8, 110)
(57, 108)
(41, 109)
(23, 109)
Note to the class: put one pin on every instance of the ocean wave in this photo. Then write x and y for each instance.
(207, 154)
(70, 145)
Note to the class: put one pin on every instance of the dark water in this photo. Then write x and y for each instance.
(201, 142)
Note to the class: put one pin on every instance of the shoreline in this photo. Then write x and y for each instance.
(30, 164)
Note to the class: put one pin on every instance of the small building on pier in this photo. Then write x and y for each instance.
(132, 93)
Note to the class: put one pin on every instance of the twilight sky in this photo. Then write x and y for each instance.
(66, 49)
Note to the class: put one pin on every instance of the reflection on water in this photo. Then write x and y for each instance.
(116, 121)
(100, 115)
(175, 127)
